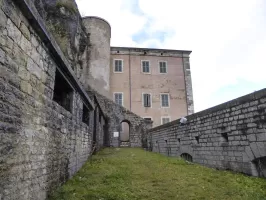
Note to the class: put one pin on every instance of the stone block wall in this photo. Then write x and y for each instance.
(115, 114)
(41, 143)
(229, 136)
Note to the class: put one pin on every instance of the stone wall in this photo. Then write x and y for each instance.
(115, 115)
(43, 107)
(42, 144)
(229, 136)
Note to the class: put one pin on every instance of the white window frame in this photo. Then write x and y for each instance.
(165, 117)
(166, 66)
(122, 97)
(143, 99)
(142, 67)
(161, 102)
(122, 66)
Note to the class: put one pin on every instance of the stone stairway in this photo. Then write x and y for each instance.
(124, 144)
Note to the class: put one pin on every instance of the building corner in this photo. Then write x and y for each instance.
(188, 84)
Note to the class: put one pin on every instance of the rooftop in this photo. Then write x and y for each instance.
(149, 49)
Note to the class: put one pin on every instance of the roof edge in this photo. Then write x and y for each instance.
(150, 49)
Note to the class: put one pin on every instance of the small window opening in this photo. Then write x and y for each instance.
(197, 139)
(118, 51)
(145, 52)
(86, 115)
(161, 54)
(179, 140)
(225, 137)
(63, 92)
(147, 118)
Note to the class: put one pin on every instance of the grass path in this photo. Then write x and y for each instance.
(127, 174)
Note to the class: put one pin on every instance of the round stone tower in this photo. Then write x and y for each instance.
(98, 72)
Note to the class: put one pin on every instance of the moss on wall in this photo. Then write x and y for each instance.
(68, 5)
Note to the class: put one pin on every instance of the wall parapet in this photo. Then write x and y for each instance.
(228, 136)
(227, 105)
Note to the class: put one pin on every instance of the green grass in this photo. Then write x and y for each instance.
(125, 173)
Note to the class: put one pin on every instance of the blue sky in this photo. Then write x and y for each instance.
(227, 39)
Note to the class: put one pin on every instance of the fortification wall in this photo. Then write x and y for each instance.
(48, 123)
(115, 114)
(229, 136)
(42, 144)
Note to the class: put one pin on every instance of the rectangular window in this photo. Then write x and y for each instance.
(163, 67)
(118, 97)
(146, 66)
(86, 115)
(148, 118)
(165, 120)
(146, 100)
(118, 65)
(63, 92)
(165, 100)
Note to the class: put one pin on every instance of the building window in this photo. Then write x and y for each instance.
(147, 118)
(146, 66)
(86, 115)
(163, 67)
(118, 65)
(165, 100)
(146, 100)
(118, 97)
(165, 120)
(63, 92)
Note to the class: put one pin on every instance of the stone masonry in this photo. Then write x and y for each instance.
(43, 142)
(229, 136)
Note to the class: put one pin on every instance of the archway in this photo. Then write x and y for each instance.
(124, 133)
(186, 157)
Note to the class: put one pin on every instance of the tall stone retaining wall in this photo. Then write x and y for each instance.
(42, 144)
(229, 136)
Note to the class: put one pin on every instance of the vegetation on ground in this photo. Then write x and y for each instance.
(127, 174)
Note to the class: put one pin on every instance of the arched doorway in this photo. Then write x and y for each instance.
(124, 133)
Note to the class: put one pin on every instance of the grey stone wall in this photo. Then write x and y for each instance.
(41, 144)
(115, 114)
(229, 136)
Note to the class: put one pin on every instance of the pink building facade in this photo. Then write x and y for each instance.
(153, 83)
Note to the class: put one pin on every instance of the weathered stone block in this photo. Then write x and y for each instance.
(25, 31)
(26, 87)
(13, 32)
(34, 68)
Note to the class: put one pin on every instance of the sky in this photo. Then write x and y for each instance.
(227, 39)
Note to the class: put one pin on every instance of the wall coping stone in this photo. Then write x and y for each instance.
(229, 104)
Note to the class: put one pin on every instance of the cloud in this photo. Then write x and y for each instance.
(227, 39)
